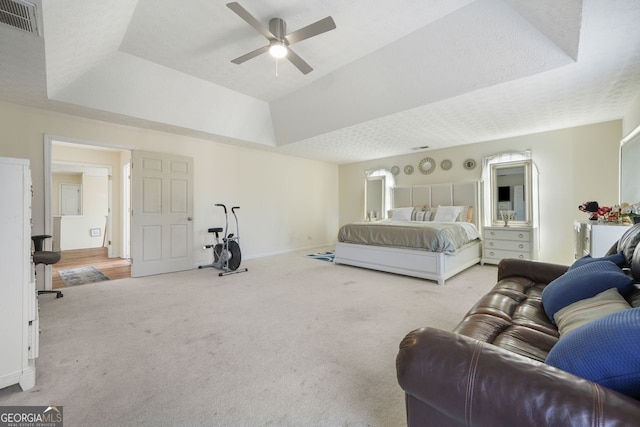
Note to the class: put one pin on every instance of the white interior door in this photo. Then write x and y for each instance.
(162, 213)
(70, 199)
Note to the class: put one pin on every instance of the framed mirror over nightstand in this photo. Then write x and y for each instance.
(377, 194)
(510, 214)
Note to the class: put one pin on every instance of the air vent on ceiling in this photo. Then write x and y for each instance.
(19, 14)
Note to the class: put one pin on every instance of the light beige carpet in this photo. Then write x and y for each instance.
(292, 342)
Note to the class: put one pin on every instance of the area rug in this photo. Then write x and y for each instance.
(323, 256)
(81, 276)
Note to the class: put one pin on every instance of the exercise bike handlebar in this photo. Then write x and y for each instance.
(223, 207)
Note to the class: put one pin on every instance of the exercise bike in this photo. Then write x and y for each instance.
(226, 255)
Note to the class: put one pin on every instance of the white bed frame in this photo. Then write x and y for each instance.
(419, 263)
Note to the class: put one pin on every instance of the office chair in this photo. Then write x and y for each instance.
(44, 257)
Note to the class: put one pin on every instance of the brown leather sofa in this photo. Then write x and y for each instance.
(489, 371)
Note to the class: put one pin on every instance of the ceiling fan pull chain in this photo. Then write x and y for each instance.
(276, 67)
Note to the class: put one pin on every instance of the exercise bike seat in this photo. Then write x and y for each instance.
(215, 230)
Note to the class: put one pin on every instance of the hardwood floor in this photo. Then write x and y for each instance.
(113, 268)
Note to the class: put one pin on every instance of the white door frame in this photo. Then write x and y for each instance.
(126, 211)
(48, 190)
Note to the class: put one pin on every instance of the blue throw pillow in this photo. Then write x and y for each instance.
(618, 259)
(605, 351)
(583, 282)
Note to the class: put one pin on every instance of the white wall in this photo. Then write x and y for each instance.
(575, 165)
(75, 230)
(286, 202)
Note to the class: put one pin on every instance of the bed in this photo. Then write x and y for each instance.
(406, 244)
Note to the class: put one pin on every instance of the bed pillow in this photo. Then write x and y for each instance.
(417, 211)
(587, 310)
(447, 213)
(432, 213)
(401, 214)
(583, 282)
(422, 215)
(462, 216)
(606, 351)
(618, 259)
(466, 215)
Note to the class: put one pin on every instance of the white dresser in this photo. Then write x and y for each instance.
(508, 242)
(594, 238)
(18, 298)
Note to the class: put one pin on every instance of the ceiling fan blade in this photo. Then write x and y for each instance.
(244, 14)
(252, 54)
(298, 62)
(319, 27)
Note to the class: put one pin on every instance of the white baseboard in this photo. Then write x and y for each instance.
(281, 252)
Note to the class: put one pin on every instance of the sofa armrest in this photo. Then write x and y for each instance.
(468, 382)
(539, 272)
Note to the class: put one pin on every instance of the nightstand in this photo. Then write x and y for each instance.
(508, 242)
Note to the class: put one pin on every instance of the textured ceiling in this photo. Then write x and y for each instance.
(390, 77)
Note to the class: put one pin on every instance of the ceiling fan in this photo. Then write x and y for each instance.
(279, 40)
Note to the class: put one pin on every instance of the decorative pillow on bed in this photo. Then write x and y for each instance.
(432, 213)
(584, 282)
(606, 351)
(417, 210)
(447, 213)
(466, 215)
(401, 214)
(587, 310)
(422, 215)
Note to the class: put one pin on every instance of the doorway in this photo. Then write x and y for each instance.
(84, 206)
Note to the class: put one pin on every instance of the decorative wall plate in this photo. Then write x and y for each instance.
(408, 169)
(469, 164)
(395, 170)
(427, 165)
(445, 165)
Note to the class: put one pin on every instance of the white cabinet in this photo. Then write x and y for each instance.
(508, 242)
(595, 239)
(18, 300)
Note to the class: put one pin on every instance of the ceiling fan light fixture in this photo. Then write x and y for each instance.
(278, 49)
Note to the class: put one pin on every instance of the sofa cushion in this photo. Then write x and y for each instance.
(584, 282)
(618, 259)
(587, 310)
(606, 351)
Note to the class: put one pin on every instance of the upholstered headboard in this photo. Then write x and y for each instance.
(432, 195)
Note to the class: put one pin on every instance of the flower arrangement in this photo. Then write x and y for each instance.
(632, 212)
(625, 212)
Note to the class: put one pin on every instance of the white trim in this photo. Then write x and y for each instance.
(48, 217)
(624, 141)
(630, 136)
(76, 141)
(48, 190)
